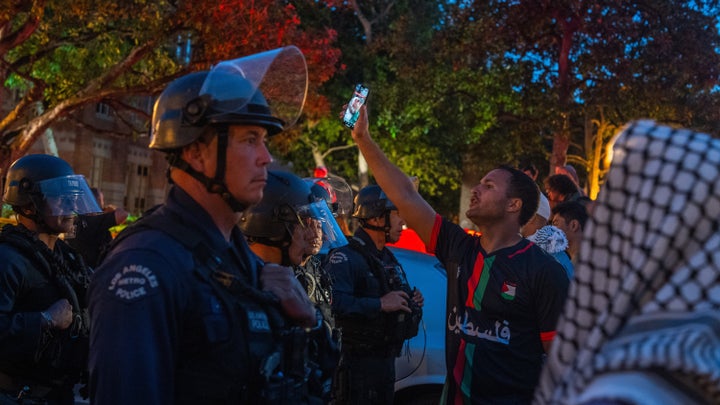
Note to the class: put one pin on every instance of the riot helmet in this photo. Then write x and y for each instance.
(47, 185)
(372, 202)
(335, 191)
(266, 89)
(288, 202)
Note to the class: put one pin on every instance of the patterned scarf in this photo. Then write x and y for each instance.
(646, 294)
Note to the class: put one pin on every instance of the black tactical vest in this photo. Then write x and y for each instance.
(265, 368)
(385, 334)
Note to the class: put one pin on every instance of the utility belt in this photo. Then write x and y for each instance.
(363, 350)
(22, 392)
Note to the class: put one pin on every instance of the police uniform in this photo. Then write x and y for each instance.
(162, 326)
(324, 341)
(36, 362)
(370, 338)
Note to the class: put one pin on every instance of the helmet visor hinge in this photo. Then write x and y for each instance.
(194, 112)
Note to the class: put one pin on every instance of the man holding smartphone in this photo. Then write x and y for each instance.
(504, 293)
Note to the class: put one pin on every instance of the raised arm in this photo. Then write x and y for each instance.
(418, 214)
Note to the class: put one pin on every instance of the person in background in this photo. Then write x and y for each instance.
(540, 219)
(504, 293)
(373, 303)
(288, 227)
(43, 282)
(554, 242)
(642, 323)
(571, 218)
(183, 311)
(92, 232)
(570, 171)
(531, 171)
(551, 239)
(559, 188)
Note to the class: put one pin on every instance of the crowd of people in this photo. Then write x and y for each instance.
(246, 286)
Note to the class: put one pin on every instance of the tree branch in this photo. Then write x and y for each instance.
(26, 30)
(337, 148)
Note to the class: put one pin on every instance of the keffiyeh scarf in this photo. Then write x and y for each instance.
(646, 294)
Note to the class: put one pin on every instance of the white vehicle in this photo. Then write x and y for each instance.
(420, 369)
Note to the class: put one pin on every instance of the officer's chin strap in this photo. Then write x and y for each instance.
(40, 225)
(385, 228)
(217, 184)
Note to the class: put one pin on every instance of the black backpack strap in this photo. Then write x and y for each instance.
(376, 265)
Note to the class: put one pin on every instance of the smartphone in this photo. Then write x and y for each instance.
(353, 109)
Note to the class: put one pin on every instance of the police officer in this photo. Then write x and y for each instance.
(373, 303)
(43, 282)
(288, 227)
(290, 222)
(183, 311)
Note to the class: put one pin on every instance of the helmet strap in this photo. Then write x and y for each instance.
(385, 228)
(217, 184)
(34, 215)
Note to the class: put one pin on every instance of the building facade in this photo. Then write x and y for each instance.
(110, 156)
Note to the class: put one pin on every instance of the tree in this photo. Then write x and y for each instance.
(386, 46)
(63, 55)
(639, 59)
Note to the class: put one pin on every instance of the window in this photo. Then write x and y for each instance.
(103, 110)
(137, 187)
(96, 172)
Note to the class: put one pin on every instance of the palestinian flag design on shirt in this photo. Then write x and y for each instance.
(508, 291)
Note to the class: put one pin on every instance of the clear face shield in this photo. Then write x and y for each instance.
(339, 191)
(280, 75)
(317, 216)
(67, 196)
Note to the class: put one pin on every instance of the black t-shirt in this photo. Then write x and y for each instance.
(91, 235)
(501, 306)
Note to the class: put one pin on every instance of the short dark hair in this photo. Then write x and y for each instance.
(561, 184)
(523, 187)
(570, 210)
(530, 168)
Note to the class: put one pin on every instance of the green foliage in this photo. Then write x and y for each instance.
(72, 45)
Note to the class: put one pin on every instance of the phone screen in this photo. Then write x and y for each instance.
(353, 109)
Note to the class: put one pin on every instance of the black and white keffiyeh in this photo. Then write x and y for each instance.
(646, 294)
(550, 238)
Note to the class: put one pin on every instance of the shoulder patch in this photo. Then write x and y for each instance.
(337, 258)
(133, 282)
